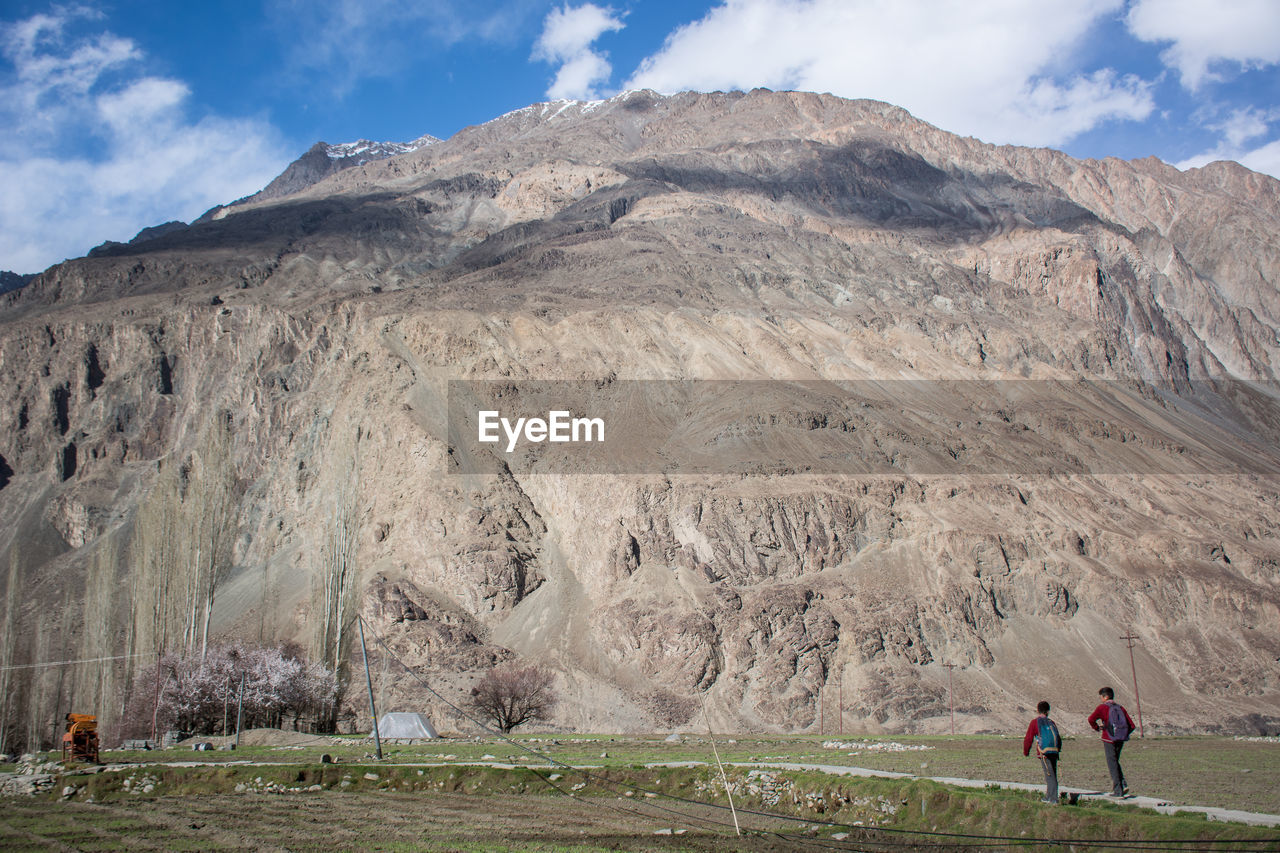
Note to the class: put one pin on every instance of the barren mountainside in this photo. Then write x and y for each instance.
(242, 427)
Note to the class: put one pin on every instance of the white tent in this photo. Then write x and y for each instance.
(404, 725)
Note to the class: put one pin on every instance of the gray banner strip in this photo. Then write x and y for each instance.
(863, 427)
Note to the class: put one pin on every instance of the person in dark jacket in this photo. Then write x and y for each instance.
(1113, 736)
(1042, 733)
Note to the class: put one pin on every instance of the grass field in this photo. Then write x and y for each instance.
(426, 797)
(1207, 771)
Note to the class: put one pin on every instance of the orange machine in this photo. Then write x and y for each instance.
(80, 743)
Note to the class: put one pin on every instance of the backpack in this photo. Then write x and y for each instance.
(1050, 740)
(1117, 723)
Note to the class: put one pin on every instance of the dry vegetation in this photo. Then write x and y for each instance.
(434, 796)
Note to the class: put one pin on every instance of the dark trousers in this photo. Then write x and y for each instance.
(1112, 751)
(1050, 762)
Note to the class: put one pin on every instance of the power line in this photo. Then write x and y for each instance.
(70, 662)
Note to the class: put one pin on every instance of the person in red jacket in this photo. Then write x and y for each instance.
(1114, 722)
(1043, 734)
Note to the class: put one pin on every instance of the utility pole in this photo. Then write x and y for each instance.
(240, 711)
(368, 682)
(1137, 700)
(951, 695)
(840, 707)
(728, 792)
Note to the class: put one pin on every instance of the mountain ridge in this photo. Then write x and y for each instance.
(283, 372)
(317, 163)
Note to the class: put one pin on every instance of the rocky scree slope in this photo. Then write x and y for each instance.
(240, 427)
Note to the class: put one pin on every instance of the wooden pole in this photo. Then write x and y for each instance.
(951, 695)
(723, 777)
(1137, 700)
(368, 682)
(240, 711)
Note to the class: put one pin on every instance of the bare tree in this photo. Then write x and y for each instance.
(339, 572)
(218, 519)
(509, 696)
(183, 539)
(8, 649)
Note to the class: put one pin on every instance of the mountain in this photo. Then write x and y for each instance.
(322, 160)
(879, 399)
(12, 281)
(150, 233)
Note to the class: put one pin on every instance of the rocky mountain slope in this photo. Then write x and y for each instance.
(12, 281)
(319, 162)
(243, 427)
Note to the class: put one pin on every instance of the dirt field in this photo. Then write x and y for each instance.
(1205, 770)
(363, 821)
(448, 795)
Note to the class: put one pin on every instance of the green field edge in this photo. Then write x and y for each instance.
(789, 801)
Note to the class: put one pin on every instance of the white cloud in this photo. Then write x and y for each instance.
(993, 69)
(1240, 132)
(95, 150)
(1246, 124)
(45, 90)
(141, 104)
(24, 43)
(1265, 159)
(577, 78)
(1209, 32)
(568, 31)
(567, 36)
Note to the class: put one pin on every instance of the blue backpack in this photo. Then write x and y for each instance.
(1050, 740)
(1117, 723)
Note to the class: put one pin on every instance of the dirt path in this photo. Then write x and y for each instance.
(1162, 806)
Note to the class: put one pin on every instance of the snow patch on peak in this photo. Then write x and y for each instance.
(564, 105)
(548, 110)
(368, 150)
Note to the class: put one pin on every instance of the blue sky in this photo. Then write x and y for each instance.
(121, 115)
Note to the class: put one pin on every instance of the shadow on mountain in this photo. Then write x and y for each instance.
(238, 251)
(864, 180)
(279, 226)
(866, 183)
(872, 182)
